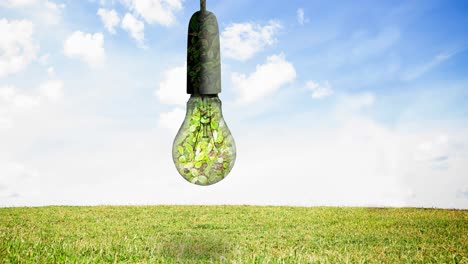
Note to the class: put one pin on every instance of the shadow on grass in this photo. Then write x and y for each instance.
(198, 247)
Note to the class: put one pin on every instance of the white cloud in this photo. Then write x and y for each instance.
(135, 27)
(17, 3)
(363, 45)
(155, 11)
(5, 123)
(109, 18)
(326, 167)
(420, 70)
(47, 11)
(172, 90)
(50, 71)
(172, 120)
(87, 47)
(357, 101)
(10, 97)
(301, 19)
(463, 193)
(44, 59)
(52, 12)
(320, 91)
(17, 180)
(266, 80)
(17, 48)
(433, 150)
(241, 41)
(52, 90)
(16, 103)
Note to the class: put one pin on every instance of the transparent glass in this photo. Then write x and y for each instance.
(204, 151)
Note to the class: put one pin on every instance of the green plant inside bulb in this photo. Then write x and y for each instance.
(204, 151)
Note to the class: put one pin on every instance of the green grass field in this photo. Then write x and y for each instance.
(232, 234)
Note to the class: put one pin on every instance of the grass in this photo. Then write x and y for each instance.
(232, 234)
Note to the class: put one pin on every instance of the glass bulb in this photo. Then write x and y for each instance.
(204, 151)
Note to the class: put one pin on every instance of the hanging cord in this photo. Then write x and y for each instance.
(203, 5)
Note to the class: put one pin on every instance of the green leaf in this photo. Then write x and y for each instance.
(202, 179)
(203, 144)
(205, 120)
(188, 147)
(180, 149)
(194, 172)
(188, 165)
(200, 156)
(214, 124)
(219, 139)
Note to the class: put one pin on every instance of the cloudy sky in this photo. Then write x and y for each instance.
(358, 103)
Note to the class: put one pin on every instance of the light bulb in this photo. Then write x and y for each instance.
(204, 151)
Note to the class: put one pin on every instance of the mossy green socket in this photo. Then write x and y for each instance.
(203, 54)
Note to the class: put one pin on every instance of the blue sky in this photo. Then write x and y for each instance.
(330, 102)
